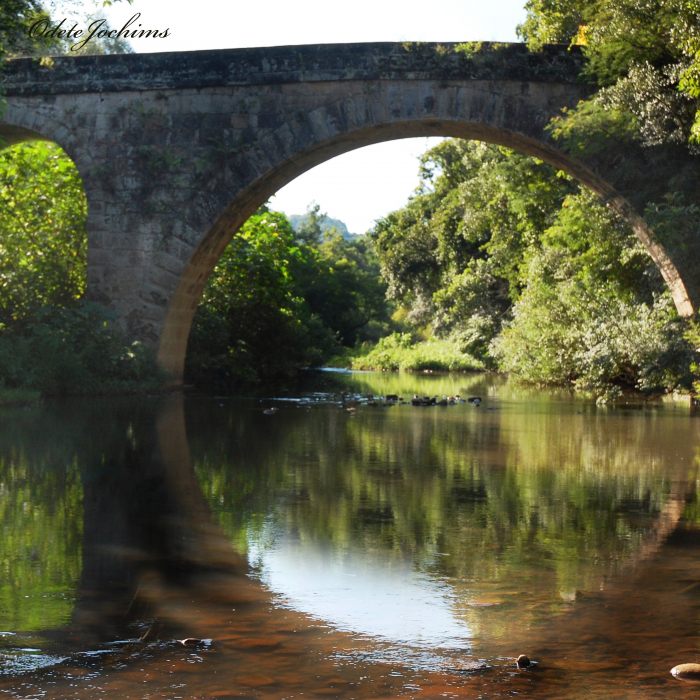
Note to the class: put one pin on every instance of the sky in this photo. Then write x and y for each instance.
(365, 593)
(363, 185)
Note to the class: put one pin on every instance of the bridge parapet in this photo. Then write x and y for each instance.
(291, 64)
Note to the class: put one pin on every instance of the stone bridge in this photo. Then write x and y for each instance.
(177, 150)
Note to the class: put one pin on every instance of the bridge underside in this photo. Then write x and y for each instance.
(176, 151)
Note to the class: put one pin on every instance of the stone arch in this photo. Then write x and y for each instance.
(13, 132)
(139, 126)
(183, 303)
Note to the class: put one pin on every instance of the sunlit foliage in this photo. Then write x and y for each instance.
(43, 243)
(280, 300)
(50, 340)
(644, 52)
(498, 240)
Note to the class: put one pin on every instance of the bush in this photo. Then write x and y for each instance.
(567, 334)
(252, 324)
(71, 351)
(398, 352)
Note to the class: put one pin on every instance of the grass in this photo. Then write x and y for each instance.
(398, 352)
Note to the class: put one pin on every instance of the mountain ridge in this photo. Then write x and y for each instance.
(326, 223)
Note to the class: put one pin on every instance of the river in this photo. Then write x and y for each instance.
(337, 547)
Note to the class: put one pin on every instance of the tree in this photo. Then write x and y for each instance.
(456, 250)
(43, 242)
(277, 302)
(251, 323)
(50, 339)
(527, 271)
(16, 19)
(644, 52)
(340, 282)
(310, 232)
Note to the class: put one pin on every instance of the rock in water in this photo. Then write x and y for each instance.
(686, 672)
(523, 661)
(194, 642)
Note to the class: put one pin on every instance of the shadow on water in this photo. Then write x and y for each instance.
(388, 551)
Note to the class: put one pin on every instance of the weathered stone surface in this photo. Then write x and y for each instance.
(176, 151)
(290, 64)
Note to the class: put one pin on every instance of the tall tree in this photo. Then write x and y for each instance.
(16, 19)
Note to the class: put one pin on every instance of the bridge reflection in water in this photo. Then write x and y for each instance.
(381, 561)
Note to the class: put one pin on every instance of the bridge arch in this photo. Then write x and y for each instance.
(178, 321)
(176, 151)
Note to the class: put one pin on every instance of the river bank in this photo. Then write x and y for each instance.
(399, 352)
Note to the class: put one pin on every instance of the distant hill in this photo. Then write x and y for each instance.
(297, 219)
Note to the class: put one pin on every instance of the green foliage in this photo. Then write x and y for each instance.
(456, 250)
(615, 34)
(690, 77)
(398, 352)
(310, 231)
(552, 21)
(589, 130)
(644, 52)
(340, 282)
(570, 334)
(16, 18)
(50, 341)
(623, 34)
(279, 301)
(43, 243)
(251, 324)
(523, 270)
(594, 313)
(71, 351)
(326, 223)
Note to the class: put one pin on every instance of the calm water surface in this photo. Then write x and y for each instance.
(341, 549)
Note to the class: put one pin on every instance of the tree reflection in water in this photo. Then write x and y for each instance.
(473, 534)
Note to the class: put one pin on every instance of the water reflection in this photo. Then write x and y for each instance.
(390, 601)
(393, 549)
(527, 494)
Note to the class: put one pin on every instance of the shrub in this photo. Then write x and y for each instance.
(398, 352)
(71, 351)
(566, 334)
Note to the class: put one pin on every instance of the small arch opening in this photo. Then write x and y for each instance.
(43, 258)
(52, 340)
